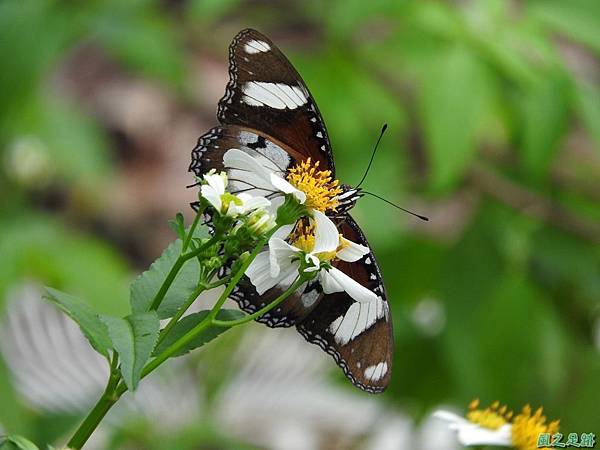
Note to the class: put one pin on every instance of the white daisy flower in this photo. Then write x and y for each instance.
(310, 186)
(214, 191)
(311, 250)
(497, 426)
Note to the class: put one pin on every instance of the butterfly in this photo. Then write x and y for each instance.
(268, 112)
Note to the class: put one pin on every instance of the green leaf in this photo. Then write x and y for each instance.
(178, 226)
(452, 101)
(209, 11)
(133, 338)
(577, 19)
(70, 144)
(19, 442)
(39, 247)
(588, 105)
(189, 322)
(144, 288)
(545, 114)
(89, 322)
(143, 39)
(21, 25)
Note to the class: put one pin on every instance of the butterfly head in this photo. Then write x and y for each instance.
(347, 199)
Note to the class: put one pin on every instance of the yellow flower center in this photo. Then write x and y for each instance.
(492, 417)
(320, 189)
(303, 237)
(526, 428)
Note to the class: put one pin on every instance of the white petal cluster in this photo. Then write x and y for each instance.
(470, 433)
(281, 263)
(214, 190)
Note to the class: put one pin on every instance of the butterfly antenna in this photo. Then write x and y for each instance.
(426, 219)
(373, 154)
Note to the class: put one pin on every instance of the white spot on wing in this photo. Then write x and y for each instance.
(359, 318)
(335, 324)
(376, 372)
(274, 95)
(256, 46)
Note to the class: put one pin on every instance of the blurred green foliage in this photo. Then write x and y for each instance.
(507, 89)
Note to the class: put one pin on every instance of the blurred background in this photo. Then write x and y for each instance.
(494, 133)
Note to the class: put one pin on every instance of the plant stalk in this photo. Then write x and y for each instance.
(289, 291)
(95, 416)
(181, 260)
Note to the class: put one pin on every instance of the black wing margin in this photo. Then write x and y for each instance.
(357, 335)
(265, 93)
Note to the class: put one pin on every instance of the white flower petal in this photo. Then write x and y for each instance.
(259, 273)
(280, 255)
(251, 203)
(351, 251)
(328, 283)
(327, 236)
(354, 289)
(259, 270)
(275, 204)
(213, 197)
(313, 261)
(469, 433)
(284, 231)
(216, 182)
(287, 188)
(477, 435)
(454, 419)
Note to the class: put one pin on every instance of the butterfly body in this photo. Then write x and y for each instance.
(268, 112)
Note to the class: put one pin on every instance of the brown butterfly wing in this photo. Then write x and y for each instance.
(266, 94)
(340, 326)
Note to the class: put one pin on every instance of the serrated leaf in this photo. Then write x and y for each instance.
(18, 442)
(133, 338)
(178, 226)
(189, 322)
(452, 101)
(144, 288)
(92, 327)
(545, 114)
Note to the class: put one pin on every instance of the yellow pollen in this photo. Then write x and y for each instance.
(492, 417)
(526, 428)
(303, 237)
(320, 189)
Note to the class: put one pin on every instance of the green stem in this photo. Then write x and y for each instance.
(265, 309)
(114, 389)
(190, 335)
(221, 282)
(95, 416)
(166, 330)
(181, 260)
(235, 279)
(190, 234)
(199, 289)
